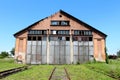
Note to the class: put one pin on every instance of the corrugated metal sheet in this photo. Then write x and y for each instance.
(83, 51)
(36, 52)
(59, 52)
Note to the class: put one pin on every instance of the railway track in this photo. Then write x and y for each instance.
(59, 74)
(5, 73)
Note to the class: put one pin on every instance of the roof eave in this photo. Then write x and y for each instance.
(28, 27)
(79, 21)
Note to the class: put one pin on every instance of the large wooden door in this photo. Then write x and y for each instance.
(59, 50)
(36, 50)
(83, 50)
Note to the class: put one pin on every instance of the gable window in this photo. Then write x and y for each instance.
(64, 23)
(55, 23)
(59, 23)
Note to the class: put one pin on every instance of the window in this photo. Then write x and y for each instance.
(37, 32)
(62, 38)
(54, 32)
(34, 38)
(59, 23)
(83, 32)
(59, 38)
(51, 38)
(75, 38)
(63, 23)
(84, 39)
(55, 23)
(76, 32)
(39, 38)
(90, 39)
(60, 32)
(29, 38)
(44, 38)
(67, 38)
(78, 38)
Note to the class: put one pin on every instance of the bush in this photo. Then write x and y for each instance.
(4, 54)
(112, 57)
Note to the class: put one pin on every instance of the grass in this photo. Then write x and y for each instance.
(8, 63)
(81, 72)
(112, 69)
(40, 72)
(90, 71)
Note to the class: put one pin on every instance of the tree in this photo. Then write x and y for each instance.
(4, 54)
(106, 60)
(12, 51)
(118, 53)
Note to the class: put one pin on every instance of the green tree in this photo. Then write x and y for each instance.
(12, 51)
(118, 53)
(4, 54)
(106, 56)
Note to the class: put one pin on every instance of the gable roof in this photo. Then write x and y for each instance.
(67, 15)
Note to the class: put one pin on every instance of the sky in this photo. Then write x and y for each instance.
(103, 15)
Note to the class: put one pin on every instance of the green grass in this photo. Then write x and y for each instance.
(8, 63)
(112, 69)
(39, 72)
(90, 71)
(81, 72)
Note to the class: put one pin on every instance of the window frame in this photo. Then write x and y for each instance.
(83, 32)
(37, 32)
(60, 23)
(60, 32)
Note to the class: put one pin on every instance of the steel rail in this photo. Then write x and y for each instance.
(11, 71)
(52, 73)
(67, 73)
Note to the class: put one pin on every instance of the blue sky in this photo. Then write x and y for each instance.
(103, 15)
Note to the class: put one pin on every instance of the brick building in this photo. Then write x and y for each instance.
(59, 39)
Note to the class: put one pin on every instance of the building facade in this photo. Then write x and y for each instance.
(59, 39)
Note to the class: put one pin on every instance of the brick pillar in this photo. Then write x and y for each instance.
(103, 50)
(16, 47)
(95, 48)
(24, 49)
